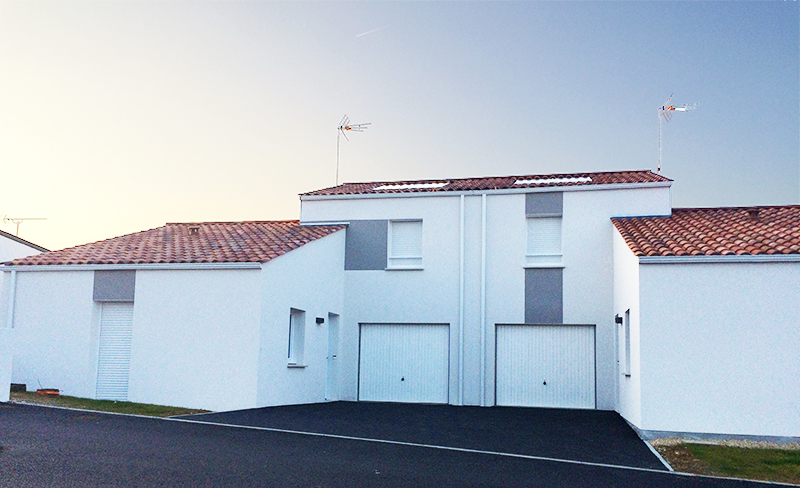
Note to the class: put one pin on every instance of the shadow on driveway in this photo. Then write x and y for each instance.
(578, 435)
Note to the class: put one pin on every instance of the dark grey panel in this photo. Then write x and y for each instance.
(114, 286)
(543, 296)
(365, 244)
(550, 203)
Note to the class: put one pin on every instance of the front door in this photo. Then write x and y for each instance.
(332, 383)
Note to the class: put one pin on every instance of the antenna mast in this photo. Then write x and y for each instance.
(665, 112)
(344, 125)
(19, 220)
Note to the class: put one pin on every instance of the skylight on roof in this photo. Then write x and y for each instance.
(411, 186)
(550, 181)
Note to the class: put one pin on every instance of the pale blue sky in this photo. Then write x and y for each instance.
(120, 116)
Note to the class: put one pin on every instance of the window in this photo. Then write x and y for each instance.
(544, 241)
(297, 332)
(405, 244)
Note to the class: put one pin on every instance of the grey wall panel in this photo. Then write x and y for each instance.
(544, 296)
(114, 286)
(550, 203)
(365, 245)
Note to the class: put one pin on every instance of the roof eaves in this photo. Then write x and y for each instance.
(23, 241)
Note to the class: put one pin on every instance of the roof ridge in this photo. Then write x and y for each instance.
(742, 207)
(485, 183)
(211, 222)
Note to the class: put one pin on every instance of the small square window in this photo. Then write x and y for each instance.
(405, 244)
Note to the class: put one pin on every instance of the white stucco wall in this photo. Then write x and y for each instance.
(55, 331)
(720, 348)
(9, 249)
(587, 245)
(310, 279)
(195, 338)
(626, 297)
(195, 335)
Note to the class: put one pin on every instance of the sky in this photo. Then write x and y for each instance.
(120, 116)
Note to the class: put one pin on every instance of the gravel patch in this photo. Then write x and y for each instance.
(743, 443)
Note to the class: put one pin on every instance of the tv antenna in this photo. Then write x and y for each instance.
(345, 125)
(665, 112)
(19, 220)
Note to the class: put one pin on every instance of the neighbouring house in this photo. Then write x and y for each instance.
(193, 315)
(475, 291)
(709, 307)
(11, 247)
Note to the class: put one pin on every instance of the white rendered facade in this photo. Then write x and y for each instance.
(474, 270)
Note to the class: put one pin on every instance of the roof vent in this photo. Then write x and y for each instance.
(194, 230)
(752, 213)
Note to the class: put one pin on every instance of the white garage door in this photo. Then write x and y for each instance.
(404, 363)
(545, 366)
(114, 355)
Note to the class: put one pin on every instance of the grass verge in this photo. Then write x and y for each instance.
(764, 464)
(101, 405)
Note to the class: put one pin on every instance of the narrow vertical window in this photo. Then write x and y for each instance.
(627, 325)
(405, 244)
(297, 332)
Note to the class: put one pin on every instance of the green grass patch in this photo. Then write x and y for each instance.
(759, 464)
(102, 405)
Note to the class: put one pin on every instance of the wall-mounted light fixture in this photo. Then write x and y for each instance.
(320, 320)
(618, 319)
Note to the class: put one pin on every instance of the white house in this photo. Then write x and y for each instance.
(11, 247)
(441, 278)
(477, 291)
(709, 308)
(194, 315)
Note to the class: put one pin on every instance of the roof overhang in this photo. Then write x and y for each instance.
(140, 266)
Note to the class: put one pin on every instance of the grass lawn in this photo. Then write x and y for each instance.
(781, 465)
(101, 405)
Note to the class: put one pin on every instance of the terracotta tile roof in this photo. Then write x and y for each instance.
(714, 231)
(206, 242)
(492, 183)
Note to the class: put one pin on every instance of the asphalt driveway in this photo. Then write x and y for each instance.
(579, 435)
(49, 447)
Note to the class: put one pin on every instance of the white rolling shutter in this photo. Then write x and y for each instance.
(405, 245)
(114, 355)
(546, 366)
(544, 236)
